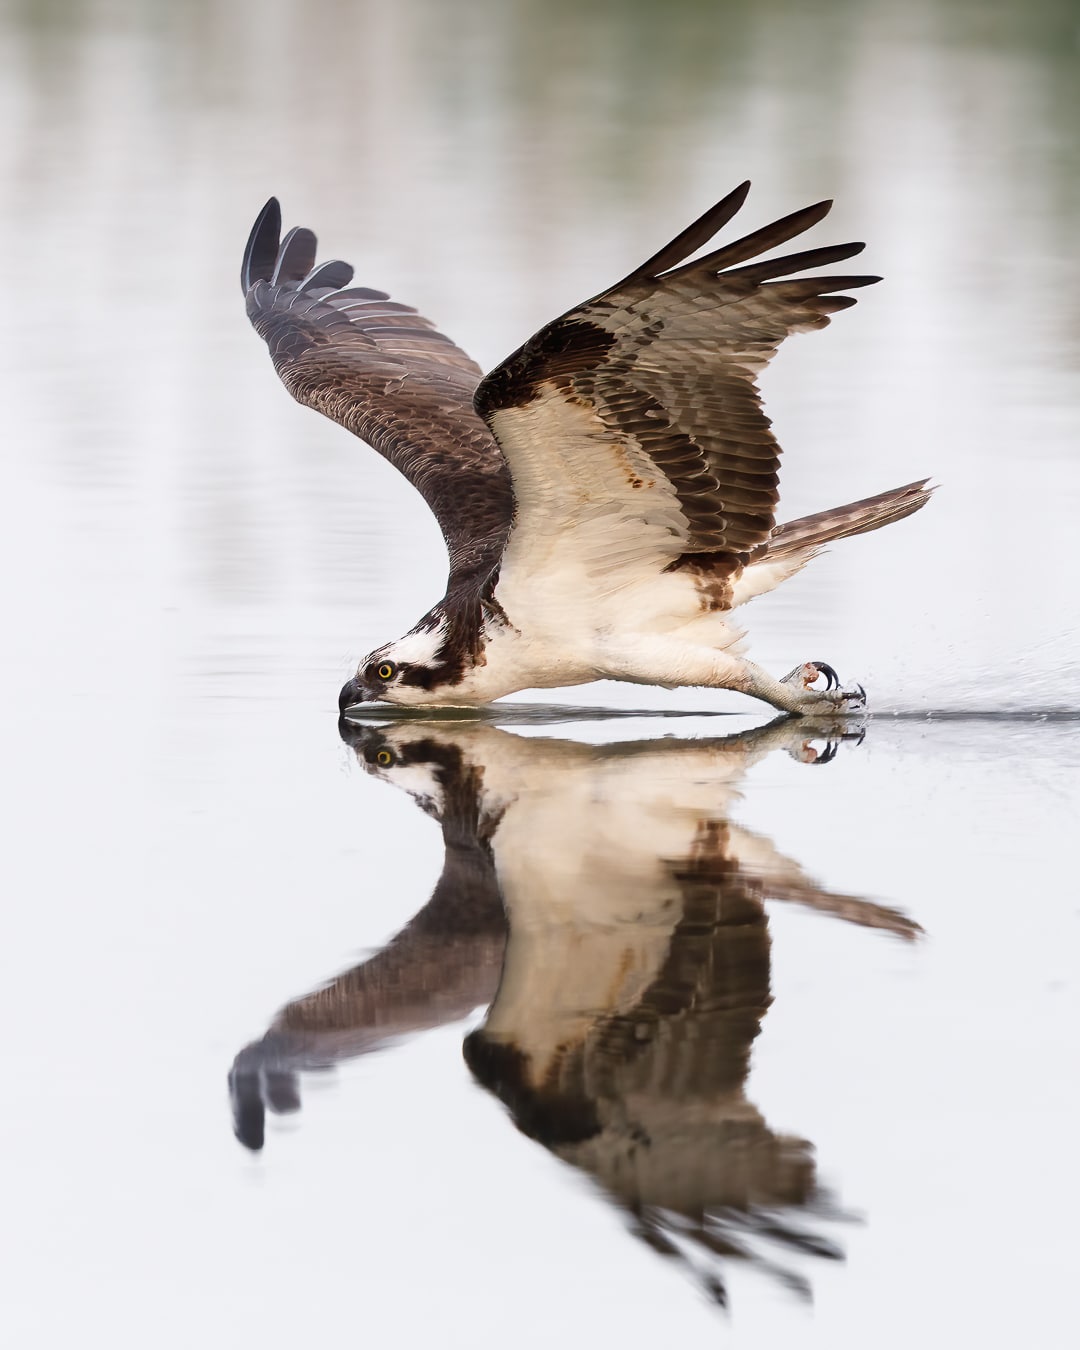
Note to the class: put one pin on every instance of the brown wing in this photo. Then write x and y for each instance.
(651, 389)
(386, 374)
(444, 963)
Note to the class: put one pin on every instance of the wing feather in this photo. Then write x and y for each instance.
(645, 397)
(262, 246)
(760, 241)
(389, 376)
(695, 236)
(296, 256)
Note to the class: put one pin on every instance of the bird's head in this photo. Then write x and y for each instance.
(404, 759)
(415, 670)
(425, 760)
(457, 656)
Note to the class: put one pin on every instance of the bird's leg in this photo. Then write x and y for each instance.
(808, 740)
(795, 693)
(649, 659)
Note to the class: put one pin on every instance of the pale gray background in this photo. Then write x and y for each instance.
(191, 563)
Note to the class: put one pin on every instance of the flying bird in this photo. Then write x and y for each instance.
(608, 493)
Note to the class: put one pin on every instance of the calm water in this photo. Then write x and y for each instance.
(664, 1006)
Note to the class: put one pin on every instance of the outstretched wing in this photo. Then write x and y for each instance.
(386, 374)
(635, 421)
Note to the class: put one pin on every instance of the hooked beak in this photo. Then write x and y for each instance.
(353, 692)
(365, 740)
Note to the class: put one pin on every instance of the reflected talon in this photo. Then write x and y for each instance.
(838, 734)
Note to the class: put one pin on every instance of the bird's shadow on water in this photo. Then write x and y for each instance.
(620, 1018)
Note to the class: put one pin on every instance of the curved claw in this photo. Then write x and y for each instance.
(829, 753)
(832, 680)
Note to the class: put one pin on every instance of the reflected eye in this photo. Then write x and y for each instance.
(387, 670)
(384, 758)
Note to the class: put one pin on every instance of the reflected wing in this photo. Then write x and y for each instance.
(386, 374)
(441, 966)
(642, 403)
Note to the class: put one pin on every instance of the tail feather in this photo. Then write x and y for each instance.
(809, 533)
(793, 545)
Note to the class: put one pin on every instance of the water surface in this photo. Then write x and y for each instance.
(193, 563)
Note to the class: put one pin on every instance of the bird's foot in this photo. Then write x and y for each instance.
(830, 700)
(824, 736)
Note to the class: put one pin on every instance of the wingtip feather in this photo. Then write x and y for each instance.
(694, 236)
(260, 252)
(762, 240)
(296, 256)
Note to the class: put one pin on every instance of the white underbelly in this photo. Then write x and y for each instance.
(562, 629)
(558, 606)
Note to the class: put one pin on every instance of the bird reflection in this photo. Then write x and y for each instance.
(604, 904)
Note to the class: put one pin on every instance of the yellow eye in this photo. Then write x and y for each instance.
(385, 758)
(386, 670)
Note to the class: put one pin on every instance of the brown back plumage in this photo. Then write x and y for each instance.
(666, 361)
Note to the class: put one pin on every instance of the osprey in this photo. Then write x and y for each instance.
(605, 904)
(607, 494)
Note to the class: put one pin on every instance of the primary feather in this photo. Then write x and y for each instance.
(385, 373)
